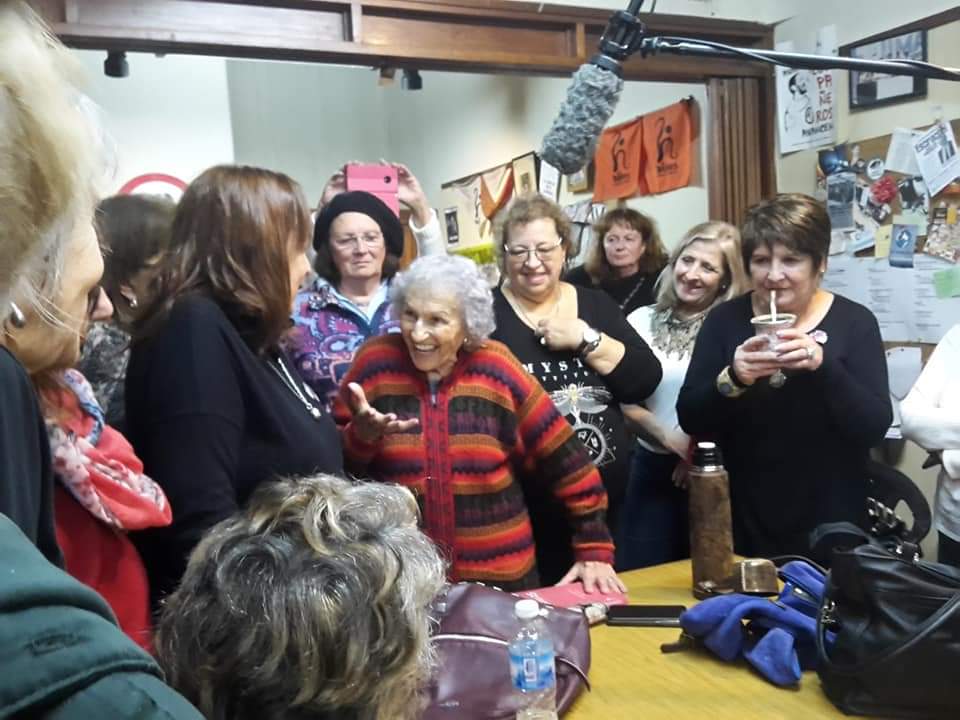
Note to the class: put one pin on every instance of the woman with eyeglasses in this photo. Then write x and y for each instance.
(214, 406)
(625, 260)
(578, 344)
(358, 242)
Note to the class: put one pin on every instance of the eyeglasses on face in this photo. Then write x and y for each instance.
(368, 239)
(524, 254)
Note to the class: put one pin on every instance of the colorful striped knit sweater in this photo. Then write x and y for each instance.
(484, 430)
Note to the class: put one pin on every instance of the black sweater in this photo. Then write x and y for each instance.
(211, 421)
(796, 455)
(590, 403)
(630, 293)
(26, 477)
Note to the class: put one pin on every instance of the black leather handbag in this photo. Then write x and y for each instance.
(896, 622)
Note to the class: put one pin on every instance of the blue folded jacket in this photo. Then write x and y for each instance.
(777, 637)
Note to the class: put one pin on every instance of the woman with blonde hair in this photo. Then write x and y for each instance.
(47, 197)
(63, 655)
(314, 602)
(704, 269)
(625, 259)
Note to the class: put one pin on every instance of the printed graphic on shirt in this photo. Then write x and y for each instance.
(574, 390)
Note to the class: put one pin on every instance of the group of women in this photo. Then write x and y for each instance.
(507, 413)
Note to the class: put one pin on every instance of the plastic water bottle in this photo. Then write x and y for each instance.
(532, 665)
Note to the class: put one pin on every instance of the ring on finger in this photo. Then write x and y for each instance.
(810, 353)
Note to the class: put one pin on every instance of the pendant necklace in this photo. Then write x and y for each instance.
(305, 397)
(515, 304)
(628, 298)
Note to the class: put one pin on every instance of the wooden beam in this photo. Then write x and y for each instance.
(482, 36)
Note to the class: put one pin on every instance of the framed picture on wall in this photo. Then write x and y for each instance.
(452, 221)
(582, 180)
(525, 175)
(872, 89)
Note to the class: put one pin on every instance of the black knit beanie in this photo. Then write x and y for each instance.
(361, 202)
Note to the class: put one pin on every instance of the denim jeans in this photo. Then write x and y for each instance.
(653, 523)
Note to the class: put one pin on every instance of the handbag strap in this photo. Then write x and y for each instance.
(503, 643)
(939, 618)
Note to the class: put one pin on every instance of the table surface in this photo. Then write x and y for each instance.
(630, 678)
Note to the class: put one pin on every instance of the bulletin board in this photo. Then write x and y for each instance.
(900, 256)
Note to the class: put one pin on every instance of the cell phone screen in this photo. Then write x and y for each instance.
(645, 615)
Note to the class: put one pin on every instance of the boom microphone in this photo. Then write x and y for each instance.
(593, 95)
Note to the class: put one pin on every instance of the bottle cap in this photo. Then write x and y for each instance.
(707, 454)
(527, 609)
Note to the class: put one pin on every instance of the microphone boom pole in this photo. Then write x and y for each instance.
(596, 86)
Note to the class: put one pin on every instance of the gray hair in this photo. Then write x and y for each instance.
(313, 602)
(49, 149)
(458, 277)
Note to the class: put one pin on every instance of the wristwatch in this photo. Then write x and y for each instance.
(590, 342)
(728, 384)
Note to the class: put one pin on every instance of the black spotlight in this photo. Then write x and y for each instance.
(411, 80)
(116, 64)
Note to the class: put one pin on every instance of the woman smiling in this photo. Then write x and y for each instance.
(705, 268)
(454, 417)
(578, 344)
(796, 450)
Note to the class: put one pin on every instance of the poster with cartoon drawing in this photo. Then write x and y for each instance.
(806, 115)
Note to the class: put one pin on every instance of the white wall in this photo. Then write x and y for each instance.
(460, 124)
(796, 171)
(307, 120)
(171, 115)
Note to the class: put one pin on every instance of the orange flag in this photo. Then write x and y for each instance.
(667, 147)
(617, 162)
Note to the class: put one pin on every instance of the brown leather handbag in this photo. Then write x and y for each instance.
(472, 681)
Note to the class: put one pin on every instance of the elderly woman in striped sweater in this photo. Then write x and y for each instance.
(455, 417)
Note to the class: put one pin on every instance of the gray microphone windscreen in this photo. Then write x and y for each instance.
(591, 99)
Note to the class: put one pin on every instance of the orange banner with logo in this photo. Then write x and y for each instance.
(668, 147)
(617, 166)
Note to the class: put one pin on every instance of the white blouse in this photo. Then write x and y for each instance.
(931, 418)
(663, 402)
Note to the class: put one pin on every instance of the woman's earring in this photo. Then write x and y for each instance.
(17, 318)
(132, 302)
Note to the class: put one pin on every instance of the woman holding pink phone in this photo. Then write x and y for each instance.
(358, 240)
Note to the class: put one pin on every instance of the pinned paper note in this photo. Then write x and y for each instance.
(937, 156)
(881, 241)
(946, 283)
(902, 245)
(900, 155)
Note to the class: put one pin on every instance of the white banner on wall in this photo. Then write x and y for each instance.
(806, 114)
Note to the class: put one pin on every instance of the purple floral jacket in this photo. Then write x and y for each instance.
(326, 333)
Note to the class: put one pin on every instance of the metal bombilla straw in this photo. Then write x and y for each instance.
(778, 378)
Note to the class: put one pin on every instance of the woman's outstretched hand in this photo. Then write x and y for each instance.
(369, 423)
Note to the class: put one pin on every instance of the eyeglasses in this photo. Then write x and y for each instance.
(522, 254)
(368, 239)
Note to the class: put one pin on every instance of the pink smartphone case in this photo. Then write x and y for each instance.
(379, 180)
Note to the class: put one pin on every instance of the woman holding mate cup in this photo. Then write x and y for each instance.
(796, 450)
